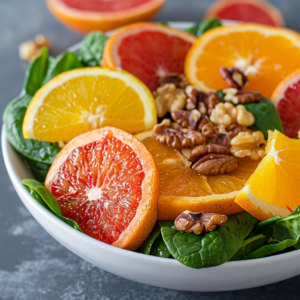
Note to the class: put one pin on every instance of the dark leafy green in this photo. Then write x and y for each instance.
(39, 170)
(90, 53)
(210, 249)
(68, 61)
(45, 198)
(147, 245)
(163, 23)
(204, 26)
(159, 248)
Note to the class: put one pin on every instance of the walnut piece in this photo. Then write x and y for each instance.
(187, 119)
(234, 77)
(31, 49)
(214, 164)
(202, 150)
(176, 137)
(199, 222)
(179, 80)
(248, 144)
(169, 98)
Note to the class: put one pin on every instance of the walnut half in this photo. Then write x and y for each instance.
(199, 222)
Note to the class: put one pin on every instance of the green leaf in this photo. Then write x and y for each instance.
(39, 170)
(159, 248)
(166, 223)
(248, 246)
(210, 249)
(266, 116)
(67, 62)
(42, 152)
(90, 53)
(46, 199)
(35, 73)
(204, 26)
(147, 245)
(163, 23)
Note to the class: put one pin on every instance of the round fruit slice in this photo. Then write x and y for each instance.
(148, 51)
(273, 189)
(286, 99)
(88, 15)
(181, 188)
(80, 100)
(107, 181)
(255, 49)
(254, 11)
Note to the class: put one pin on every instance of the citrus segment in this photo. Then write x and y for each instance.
(88, 15)
(148, 51)
(182, 188)
(81, 100)
(255, 49)
(273, 189)
(107, 181)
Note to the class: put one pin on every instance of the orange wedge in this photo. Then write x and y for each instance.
(181, 188)
(273, 189)
(266, 54)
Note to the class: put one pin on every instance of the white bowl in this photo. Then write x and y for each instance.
(160, 272)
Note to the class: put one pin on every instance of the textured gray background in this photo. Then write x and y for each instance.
(32, 264)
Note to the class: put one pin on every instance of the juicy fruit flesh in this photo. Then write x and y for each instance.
(289, 110)
(149, 55)
(247, 12)
(100, 187)
(103, 5)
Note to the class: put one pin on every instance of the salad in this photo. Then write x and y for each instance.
(171, 143)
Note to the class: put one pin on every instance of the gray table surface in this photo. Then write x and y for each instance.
(32, 264)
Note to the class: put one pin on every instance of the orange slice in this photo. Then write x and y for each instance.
(148, 51)
(88, 15)
(81, 100)
(107, 181)
(255, 49)
(273, 189)
(181, 188)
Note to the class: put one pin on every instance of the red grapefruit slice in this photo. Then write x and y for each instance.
(107, 181)
(255, 11)
(148, 51)
(88, 15)
(286, 98)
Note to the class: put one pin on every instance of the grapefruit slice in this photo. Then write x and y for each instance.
(273, 189)
(85, 16)
(148, 51)
(182, 189)
(286, 99)
(107, 181)
(253, 48)
(252, 11)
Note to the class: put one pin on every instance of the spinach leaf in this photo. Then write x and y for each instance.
(166, 223)
(90, 53)
(204, 26)
(159, 248)
(210, 249)
(39, 170)
(266, 116)
(45, 198)
(42, 152)
(36, 72)
(147, 245)
(248, 246)
(68, 61)
(163, 23)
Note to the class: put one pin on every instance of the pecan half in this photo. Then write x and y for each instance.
(176, 137)
(243, 97)
(202, 150)
(234, 77)
(214, 164)
(192, 98)
(199, 222)
(178, 79)
(211, 101)
(185, 118)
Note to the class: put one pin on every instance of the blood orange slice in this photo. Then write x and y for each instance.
(148, 51)
(104, 15)
(254, 11)
(107, 181)
(286, 98)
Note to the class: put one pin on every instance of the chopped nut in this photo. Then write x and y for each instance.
(199, 222)
(176, 137)
(168, 98)
(229, 94)
(214, 164)
(185, 118)
(249, 144)
(202, 150)
(61, 144)
(180, 81)
(247, 97)
(192, 97)
(211, 101)
(244, 117)
(234, 77)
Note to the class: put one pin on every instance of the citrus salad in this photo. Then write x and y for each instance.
(177, 144)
